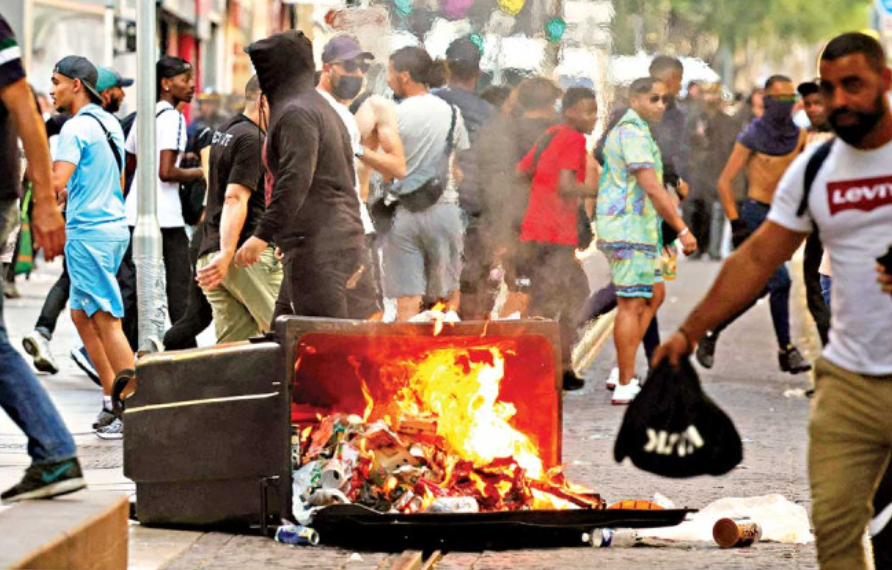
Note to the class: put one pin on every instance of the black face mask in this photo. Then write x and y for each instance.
(346, 87)
(866, 121)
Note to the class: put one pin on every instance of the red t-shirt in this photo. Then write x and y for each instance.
(551, 218)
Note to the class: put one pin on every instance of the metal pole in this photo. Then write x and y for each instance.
(147, 252)
(108, 54)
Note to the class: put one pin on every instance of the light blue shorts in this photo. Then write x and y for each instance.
(92, 266)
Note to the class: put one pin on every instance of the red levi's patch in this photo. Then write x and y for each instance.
(866, 194)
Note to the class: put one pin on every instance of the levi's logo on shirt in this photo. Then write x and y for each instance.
(865, 194)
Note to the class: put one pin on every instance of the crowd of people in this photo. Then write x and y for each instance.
(322, 198)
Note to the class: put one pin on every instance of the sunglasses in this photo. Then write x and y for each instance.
(656, 99)
(351, 66)
(783, 98)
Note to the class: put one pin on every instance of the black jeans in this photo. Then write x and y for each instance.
(811, 262)
(558, 288)
(316, 283)
(698, 216)
(54, 304)
(198, 314)
(177, 271)
(476, 297)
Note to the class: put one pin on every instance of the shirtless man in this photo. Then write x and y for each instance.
(381, 140)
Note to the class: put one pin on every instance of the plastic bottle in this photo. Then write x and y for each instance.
(611, 538)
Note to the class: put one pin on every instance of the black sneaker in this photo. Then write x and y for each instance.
(792, 361)
(706, 351)
(82, 359)
(47, 481)
(572, 381)
(104, 418)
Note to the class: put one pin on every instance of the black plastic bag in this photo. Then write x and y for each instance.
(673, 429)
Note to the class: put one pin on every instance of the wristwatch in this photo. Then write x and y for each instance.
(360, 153)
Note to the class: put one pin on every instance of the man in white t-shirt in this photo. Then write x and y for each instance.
(850, 201)
(344, 65)
(176, 85)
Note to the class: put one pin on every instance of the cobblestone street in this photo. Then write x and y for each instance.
(745, 382)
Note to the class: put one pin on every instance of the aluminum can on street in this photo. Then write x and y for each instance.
(612, 538)
(297, 534)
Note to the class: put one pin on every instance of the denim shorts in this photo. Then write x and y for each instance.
(92, 267)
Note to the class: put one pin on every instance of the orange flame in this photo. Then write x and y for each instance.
(369, 402)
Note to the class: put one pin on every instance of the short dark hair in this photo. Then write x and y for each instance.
(576, 94)
(853, 43)
(643, 85)
(167, 67)
(808, 88)
(663, 63)
(415, 60)
(439, 74)
(496, 95)
(537, 93)
(775, 79)
(252, 88)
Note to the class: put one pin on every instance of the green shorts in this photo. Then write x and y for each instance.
(634, 272)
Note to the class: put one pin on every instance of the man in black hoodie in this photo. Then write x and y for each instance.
(313, 213)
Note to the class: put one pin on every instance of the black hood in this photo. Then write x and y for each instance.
(284, 64)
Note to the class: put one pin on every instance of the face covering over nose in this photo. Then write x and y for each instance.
(775, 133)
(346, 87)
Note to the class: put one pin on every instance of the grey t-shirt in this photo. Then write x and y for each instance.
(424, 122)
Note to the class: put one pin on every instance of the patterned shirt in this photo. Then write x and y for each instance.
(626, 219)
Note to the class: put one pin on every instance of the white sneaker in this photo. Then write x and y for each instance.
(38, 347)
(613, 379)
(624, 394)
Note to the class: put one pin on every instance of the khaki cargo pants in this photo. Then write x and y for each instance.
(850, 443)
(243, 302)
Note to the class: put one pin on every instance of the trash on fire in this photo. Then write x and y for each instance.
(444, 445)
(779, 519)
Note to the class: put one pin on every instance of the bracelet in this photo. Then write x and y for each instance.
(687, 336)
(684, 231)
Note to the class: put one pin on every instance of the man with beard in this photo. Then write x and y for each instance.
(313, 211)
(344, 65)
(765, 149)
(423, 249)
(848, 198)
(632, 204)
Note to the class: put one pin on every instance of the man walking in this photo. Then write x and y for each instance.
(423, 249)
(850, 428)
(89, 168)
(242, 298)
(313, 214)
(37, 343)
(556, 167)
(765, 149)
(632, 202)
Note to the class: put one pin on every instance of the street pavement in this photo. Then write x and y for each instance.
(745, 382)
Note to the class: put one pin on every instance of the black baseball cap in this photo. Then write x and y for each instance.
(465, 50)
(343, 48)
(808, 88)
(77, 67)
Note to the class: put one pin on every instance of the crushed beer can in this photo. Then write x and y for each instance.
(731, 533)
(297, 534)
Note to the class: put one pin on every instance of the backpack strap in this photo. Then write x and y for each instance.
(811, 172)
(450, 138)
(541, 145)
(180, 122)
(111, 142)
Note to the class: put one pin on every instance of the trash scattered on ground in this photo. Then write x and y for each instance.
(795, 393)
(611, 538)
(355, 557)
(297, 534)
(731, 533)
(779, 519)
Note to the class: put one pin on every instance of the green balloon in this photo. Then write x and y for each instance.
(554, 30)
